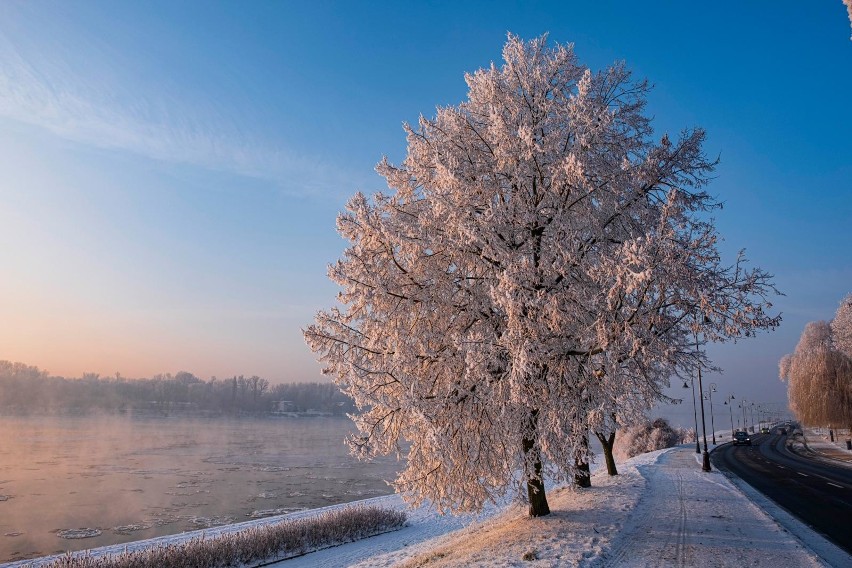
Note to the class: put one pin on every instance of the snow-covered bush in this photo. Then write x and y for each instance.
(652, 435)
(251, 547)
(687, 435)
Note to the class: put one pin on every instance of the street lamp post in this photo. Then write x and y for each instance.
(710, 392)
(694, 413)
(705, 458)
(743, 407)
(728, 400)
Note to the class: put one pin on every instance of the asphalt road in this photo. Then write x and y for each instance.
(817, 492)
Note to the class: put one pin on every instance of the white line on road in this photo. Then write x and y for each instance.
(802, 474)
(830, 483)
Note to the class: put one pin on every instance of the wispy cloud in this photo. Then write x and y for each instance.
(54, 96)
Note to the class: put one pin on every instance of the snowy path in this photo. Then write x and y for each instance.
(687, 517)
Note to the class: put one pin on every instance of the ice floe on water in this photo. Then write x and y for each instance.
(270, 468)
(78, 533)
(363, 492)
(207, 522)
(167, 519)
(132, 527)
(259, 514)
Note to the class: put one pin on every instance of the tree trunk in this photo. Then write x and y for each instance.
(535, 485)
(583, 477)
(608, 442)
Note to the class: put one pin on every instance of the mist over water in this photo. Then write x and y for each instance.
(72, 483)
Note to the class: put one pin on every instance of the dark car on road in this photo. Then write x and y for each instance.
(741, 439)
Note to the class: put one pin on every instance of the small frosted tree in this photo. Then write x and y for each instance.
(605, 434)
(539, 262)
(625, 411)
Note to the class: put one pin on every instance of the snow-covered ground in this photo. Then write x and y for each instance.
(662, 510)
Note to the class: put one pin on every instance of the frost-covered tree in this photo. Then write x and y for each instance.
(819, 377)
(848, 4)
(606, 436)
(539, 261)
(841, 326)
(626, 409)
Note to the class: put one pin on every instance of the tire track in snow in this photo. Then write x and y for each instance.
(681, 549)
(657, 534)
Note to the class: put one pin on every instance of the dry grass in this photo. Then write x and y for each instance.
(251, 547)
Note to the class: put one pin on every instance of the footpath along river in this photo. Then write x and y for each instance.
(72, 483)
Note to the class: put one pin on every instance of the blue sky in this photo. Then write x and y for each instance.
(172, 170)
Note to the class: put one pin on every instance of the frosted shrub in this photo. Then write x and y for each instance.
(653, 435)
(253, 546)
(687, 435)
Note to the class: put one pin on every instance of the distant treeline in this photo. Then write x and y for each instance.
(27, 389)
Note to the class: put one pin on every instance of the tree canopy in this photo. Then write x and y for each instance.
(539, 263)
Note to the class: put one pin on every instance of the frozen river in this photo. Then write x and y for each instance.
(71, 483)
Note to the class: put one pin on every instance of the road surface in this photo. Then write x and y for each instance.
(818, 492)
